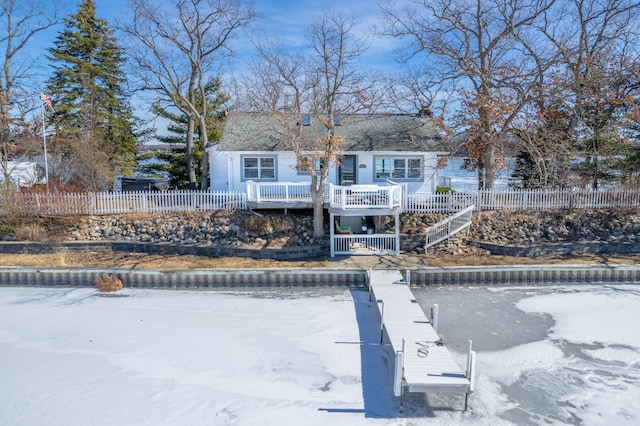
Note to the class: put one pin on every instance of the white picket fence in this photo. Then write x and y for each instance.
(177, 201)
(522, 200)
(127, 202)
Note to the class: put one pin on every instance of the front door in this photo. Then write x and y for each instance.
(347, 171)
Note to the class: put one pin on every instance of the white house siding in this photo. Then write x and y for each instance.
(226, 169)
(218, 170)
(23, 173)
(366, 169)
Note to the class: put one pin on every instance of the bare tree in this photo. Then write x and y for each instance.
(596, 42)
(21, 21)
(478, 44)
(176, 46)
(323, 81)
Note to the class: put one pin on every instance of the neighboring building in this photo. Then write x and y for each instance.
(402, 148)
(22, 173)
(143, 183)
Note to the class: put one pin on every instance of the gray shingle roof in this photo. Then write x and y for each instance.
(249, 131)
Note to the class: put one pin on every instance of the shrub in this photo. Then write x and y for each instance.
(266, 224)
(444, 190)
(107, 283)
(29, 232)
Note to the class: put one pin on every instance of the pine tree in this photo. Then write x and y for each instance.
(93, 121)
(173, 163)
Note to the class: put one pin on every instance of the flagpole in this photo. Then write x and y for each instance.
(44, 143)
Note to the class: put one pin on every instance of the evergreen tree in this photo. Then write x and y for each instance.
(93, 121)
(173, 163)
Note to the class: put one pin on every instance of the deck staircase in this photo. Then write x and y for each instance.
(448, 227)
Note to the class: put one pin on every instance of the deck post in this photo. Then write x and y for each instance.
(332, 241)
(397, 234)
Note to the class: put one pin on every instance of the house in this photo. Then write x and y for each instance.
(384, 155)
(22, 173)
(402, 148)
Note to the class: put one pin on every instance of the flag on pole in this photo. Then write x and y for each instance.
(47, 100)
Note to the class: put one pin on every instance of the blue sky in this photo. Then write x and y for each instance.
(284, 19)
(287, 19)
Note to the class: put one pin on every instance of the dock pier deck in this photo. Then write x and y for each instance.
(423, 362)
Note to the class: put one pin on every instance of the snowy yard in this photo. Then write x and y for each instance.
(310, 356)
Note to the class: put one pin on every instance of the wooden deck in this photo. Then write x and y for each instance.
(428, 364)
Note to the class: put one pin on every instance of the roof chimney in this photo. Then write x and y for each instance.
(425, 111)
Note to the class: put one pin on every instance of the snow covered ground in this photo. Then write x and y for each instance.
(71, 356)
(463, 181)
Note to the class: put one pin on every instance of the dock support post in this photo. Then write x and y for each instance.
(470, 373)
(381, 320)
(434, 317)
(398, 377)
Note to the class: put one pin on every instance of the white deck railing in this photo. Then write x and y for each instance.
(365, 244)
(365, 197)
(444, 229)
(278, 191)
(341, 197)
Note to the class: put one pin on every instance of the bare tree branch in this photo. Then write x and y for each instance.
(176, 48)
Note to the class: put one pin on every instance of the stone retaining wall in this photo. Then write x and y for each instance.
(290, 237)
(559, 248)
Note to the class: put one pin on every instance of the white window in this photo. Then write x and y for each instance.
(258, 168)
(398, 168)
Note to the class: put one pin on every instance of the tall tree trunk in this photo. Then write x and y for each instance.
(489, 166)
(5, 136)
(193, 185)
(204, 138)
(317, 199)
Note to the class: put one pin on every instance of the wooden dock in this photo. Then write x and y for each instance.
(423, 362)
